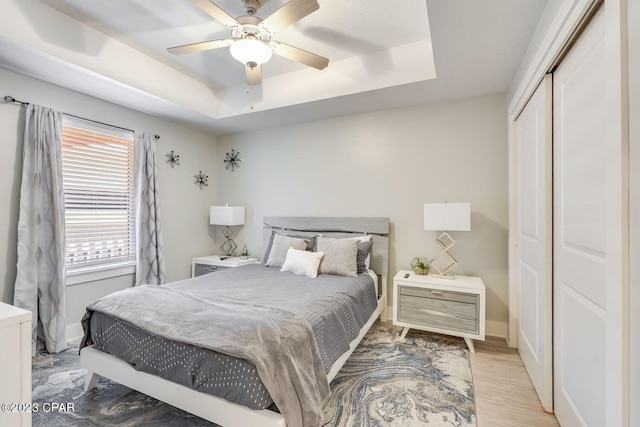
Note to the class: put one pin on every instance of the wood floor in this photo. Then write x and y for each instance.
(504, 393)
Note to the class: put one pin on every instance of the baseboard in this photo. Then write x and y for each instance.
(496, 329)
(74, 331)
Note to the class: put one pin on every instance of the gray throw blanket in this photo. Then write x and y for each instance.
(279, 343)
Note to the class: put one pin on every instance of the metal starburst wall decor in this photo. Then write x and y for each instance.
(201, 180)
(173, 159)
(233, 160)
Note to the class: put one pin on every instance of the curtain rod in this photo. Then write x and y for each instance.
(12, 100)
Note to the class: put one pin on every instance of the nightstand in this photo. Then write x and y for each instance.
(446, 306)
(15, 365)
(211, 264)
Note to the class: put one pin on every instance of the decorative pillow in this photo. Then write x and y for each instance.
(339, 256)
(279, 248)
(362, 268)
(311, 243)
(364, 251)
(302, 262)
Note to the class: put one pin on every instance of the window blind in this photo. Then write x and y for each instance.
(98, 181)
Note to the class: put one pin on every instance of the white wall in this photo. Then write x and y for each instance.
(389, 164)
(634, 142)
(380, 164)
(184, 207)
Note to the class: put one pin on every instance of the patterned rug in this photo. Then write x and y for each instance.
(424, 379)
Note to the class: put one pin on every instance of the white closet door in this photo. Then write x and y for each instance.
(533, 137)
(580, 210)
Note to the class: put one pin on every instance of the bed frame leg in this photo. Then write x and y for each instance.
(383, 315)
(91, 380)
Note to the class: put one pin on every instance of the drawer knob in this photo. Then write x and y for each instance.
(436, 292)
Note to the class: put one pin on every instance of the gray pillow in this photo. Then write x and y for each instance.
(279, 247)
(339, 256)
(311, 243)
(364, 249)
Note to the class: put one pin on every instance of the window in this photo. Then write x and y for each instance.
(98, 180)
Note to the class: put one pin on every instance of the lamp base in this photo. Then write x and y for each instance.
(229, 246)
(442, 273)
(444, 276)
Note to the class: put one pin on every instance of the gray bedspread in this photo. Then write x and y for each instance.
(286, 325)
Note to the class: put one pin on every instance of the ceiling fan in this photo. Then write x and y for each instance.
(251, 37)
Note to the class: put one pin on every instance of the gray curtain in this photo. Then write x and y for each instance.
(40, 280)
(150, 268)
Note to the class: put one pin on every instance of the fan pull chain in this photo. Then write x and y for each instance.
(250, 98)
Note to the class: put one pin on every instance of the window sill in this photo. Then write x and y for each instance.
(99, 273)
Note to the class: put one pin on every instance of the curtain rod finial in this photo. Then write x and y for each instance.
(11, 100)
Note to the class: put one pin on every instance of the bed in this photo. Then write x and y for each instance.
(363, 301)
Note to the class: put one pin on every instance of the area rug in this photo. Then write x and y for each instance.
(424, 379)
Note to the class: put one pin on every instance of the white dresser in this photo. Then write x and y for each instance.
(15, 365)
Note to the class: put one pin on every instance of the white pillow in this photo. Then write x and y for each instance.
(302, 262)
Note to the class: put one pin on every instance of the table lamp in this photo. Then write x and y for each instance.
(446, 217)
(227, 216)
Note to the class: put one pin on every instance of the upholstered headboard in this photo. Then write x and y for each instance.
(377, 227)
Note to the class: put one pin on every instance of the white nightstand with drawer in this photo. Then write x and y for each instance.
(214, 263)
(446, 306)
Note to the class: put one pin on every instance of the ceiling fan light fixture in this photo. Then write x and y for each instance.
(250, 50)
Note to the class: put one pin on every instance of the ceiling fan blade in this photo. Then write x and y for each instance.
(300, 55)
(199, 47)
(254, 75)
(289, 13)
(216, 12)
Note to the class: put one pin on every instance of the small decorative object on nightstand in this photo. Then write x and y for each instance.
(451, 307)
(420, 266)
(245, 253)
(214, 263)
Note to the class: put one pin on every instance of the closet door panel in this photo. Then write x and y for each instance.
(533, 129)
(579, 180)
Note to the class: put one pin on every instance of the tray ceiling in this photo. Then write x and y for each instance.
(382, 54)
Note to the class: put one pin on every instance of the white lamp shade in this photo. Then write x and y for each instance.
(226, 215)
(447, 216)
(251, 50)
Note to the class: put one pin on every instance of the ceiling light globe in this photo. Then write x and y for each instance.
(251, 50)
